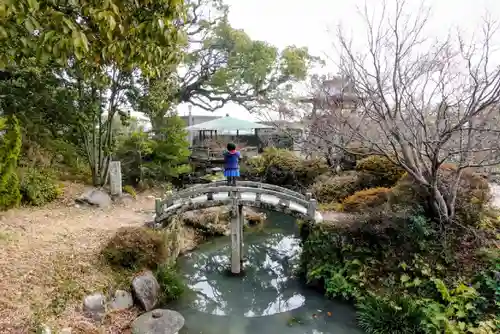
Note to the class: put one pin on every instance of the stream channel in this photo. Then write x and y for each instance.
(268, 299)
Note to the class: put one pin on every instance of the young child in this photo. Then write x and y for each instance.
(231, 164)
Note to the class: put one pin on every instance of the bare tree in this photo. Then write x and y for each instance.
(423, 102)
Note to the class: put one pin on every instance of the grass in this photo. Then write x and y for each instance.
(6, 237)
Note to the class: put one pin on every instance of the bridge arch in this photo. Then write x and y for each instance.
(245, 193)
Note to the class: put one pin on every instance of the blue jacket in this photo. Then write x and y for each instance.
(231, 159)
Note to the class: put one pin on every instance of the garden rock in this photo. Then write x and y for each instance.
(146, 290)
(46, 330)
(124, 199)
(159, 321)
(95, 197)
(94, 306)
(122, 300)
(66, 330)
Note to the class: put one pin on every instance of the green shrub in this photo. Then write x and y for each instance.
(145, 160)
(38, 187)
(338, 187)
(385, 172)
(377, 315)
(171, 283)
(136, 248)
(366, 199)
(10, 148)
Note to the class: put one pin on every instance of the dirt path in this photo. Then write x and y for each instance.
(49, 257)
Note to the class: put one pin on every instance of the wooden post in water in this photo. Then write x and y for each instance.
(235, 237)
(241, 222)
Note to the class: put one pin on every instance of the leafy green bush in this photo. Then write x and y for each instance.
(171, 283)
(136, 248)
(401, 315)
(10, 148)
(38, 187)
(366, 199)
(336, 188)
(377, 257)
(385, 173)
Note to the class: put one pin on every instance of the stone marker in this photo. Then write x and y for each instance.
(95, 197)
(159, 321)
(115, 178)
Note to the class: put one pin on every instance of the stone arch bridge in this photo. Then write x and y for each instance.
(245, 193)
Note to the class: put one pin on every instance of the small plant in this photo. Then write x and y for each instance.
(171, 283)
(136, 248)
(128, 189)
(401, 315)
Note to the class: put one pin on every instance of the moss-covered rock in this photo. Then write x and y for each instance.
(211, 221)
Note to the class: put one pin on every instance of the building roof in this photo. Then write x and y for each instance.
(198, 119)
(227, 123)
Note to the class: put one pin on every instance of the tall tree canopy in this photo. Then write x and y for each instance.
(132, 33)
(221, 64)
(224, 64)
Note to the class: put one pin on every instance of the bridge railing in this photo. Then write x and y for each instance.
(252, 184)
(285, 198)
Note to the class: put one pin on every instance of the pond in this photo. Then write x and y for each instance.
(268, 299)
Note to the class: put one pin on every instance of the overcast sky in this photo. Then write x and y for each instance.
(307, 23)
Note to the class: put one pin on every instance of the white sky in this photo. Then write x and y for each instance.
(306, 23)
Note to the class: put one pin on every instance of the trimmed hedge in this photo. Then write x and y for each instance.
(385, 172)
(336, 188)
(366, 199)
(284, 168)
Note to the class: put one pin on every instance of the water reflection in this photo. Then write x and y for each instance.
(264, 290)
(267, 300)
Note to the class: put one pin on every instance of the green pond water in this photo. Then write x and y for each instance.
(268, 299)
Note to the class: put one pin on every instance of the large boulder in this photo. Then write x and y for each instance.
(95, 197)
(210, 221)
(146, 290)
(159, 321)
